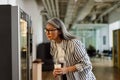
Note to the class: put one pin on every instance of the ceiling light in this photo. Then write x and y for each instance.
(98, 0)
(75, 0)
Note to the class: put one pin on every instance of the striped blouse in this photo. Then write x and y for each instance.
(75, 54)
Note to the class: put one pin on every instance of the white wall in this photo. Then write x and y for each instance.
(3, 1)
(104, 31)
(113, 26)
(98, 46)
(12, 2)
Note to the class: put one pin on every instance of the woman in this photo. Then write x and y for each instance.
(66, 49)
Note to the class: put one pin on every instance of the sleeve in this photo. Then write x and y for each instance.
(81, 57)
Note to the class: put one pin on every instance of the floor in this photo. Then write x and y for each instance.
(47, 75)
(102, 68)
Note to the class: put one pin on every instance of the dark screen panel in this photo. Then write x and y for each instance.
(5, 43)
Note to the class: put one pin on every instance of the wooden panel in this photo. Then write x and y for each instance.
(119, 48)
(116, 48)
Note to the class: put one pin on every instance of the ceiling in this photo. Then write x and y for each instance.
(79, 11)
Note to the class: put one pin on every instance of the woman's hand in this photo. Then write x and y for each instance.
(59, 71)
(64, 70)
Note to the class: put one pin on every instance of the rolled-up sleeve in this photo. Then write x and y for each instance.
(81, 57)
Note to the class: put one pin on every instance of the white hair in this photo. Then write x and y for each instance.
(57, 23)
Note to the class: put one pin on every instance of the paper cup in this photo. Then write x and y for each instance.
(57, 65)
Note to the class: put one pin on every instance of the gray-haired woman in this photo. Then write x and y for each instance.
(68, 52)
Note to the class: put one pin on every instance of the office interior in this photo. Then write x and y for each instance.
(95, 22)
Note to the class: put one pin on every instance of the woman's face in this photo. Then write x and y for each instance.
(52, 33)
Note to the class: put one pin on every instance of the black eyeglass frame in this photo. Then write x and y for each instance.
(52, 30)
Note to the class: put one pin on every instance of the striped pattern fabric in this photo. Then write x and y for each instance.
(75, 54)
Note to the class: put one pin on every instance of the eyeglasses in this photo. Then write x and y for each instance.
(50, 30)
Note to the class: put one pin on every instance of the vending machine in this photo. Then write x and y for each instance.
(15, 43)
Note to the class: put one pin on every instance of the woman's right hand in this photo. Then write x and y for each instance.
(57, 71)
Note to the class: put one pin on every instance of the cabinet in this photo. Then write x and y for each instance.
(15, 43)
(116, 48)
